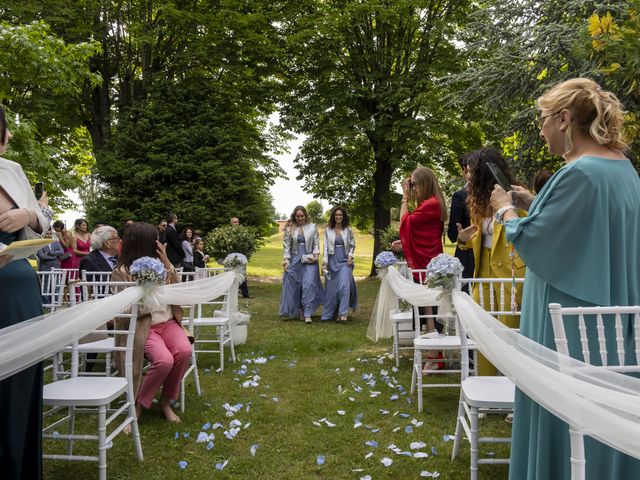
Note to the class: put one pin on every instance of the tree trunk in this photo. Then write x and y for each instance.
(381, 208)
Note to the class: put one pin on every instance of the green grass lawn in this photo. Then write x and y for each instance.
(312, 372)
(267, 261)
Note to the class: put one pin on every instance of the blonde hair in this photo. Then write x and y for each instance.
(291, 223)
(427, 185)
(596, 112)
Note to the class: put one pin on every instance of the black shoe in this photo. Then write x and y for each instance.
(247, 296)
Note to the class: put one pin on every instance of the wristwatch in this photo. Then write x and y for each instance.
(500, 213)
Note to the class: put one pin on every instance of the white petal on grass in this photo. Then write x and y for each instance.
(253, 449)
(420, 455)
(417, 445)
(386, 461)
(368, 455)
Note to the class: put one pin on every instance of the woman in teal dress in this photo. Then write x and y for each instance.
(20, 394)
(580, 243)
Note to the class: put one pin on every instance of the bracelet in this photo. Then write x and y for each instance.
(171, 271)
(404, 200)
(500, 213)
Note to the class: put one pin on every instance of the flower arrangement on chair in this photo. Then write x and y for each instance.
(148, 270)
(443, 271)
(234, 260)
(383, 261)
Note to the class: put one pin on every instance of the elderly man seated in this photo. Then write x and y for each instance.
(104, 256)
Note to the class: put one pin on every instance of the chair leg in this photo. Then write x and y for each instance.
(458, 436)
(221, 340)
(396, 345)
(102, 444)
(70, 429)
(233, 349)
(182, 395)
(107, 366)
(418, 369)
(196, 375)
(474, 443)
(134, 425)
(413, 373)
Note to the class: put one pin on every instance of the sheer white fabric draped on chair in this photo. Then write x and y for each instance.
(603, 403)
(30, 342)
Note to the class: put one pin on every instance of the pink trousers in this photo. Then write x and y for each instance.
(168, 349)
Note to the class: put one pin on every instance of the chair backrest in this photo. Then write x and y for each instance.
(501, 294)
(605, 327)
(209, 272)
(420, 314)
(95, 285)
(186, 276)
(52, 283)
(72, 274)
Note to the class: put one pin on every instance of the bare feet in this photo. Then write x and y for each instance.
(165, 409)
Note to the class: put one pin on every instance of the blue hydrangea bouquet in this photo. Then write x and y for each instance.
(148, 270)
(442, 272)
(234, 260)
(385, 259)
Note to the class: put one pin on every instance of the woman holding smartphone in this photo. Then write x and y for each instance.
(486, 237)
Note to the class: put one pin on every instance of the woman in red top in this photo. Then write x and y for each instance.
(421, 230)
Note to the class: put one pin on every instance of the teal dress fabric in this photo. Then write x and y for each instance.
(20, 394)
(581, 245)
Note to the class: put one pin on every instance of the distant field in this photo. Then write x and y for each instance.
(267, 262)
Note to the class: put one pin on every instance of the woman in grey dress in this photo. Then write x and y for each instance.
(302, 292)
(337, 266)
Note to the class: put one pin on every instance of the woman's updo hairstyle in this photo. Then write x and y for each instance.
(596, 112)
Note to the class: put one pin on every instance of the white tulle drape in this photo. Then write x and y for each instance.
(380, 324)
(30, 342)
(603, 404)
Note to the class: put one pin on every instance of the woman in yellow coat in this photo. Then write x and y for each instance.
(494, 257)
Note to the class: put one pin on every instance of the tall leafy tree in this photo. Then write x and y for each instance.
(363, 86)
(517, 50)
(41, 88)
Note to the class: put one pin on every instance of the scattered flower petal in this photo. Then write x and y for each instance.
(182, 464)
(386, 461)
(320, 459)
(417, 445)
(253, 449)
(220, 466)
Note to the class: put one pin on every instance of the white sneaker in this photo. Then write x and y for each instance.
(307, 320)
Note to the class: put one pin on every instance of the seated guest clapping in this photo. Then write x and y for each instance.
(159, 334)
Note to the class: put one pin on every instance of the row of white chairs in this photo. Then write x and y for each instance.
(495, 395)
(74, 391)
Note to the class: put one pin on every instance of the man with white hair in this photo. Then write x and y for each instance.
(104, 256)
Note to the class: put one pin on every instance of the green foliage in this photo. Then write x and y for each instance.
(41, 90)
(363, 86)
(388, 236)
(231, 239)
(516, 51)
(315, 211)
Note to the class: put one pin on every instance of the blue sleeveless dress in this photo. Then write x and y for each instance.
(301, 286)
(20, 394)
(341, 287)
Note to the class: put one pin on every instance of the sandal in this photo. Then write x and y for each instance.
(342, 319)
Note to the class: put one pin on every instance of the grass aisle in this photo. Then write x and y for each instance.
(311, 372)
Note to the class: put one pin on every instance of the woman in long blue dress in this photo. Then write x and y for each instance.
(302, 292)
(21, 394)
(580, 243)
(337, 266)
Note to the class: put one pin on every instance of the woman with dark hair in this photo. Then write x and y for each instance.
(337, 266)
(187, 247)
(21, 217)
(80, 242)
(540, 179)
(492, 252)
(159, 334)
(302, 292)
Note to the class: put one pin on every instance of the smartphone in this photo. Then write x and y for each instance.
(499, 177)
(38, 190)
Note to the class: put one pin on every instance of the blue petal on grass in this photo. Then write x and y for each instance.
(372, 443)
(253, 449)
(220, 466)
(408, 429)
(182, 464)
(320, 459)
(434, 451)
(210, 446)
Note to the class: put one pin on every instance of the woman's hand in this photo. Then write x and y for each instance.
(500, 198)
(14, 220)
(406, 187)
(522, 198)
(161, 250)
(396, 246)
(5, 260)
(44, 200)
(350, 261)
(285, 265)
(466, 234)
